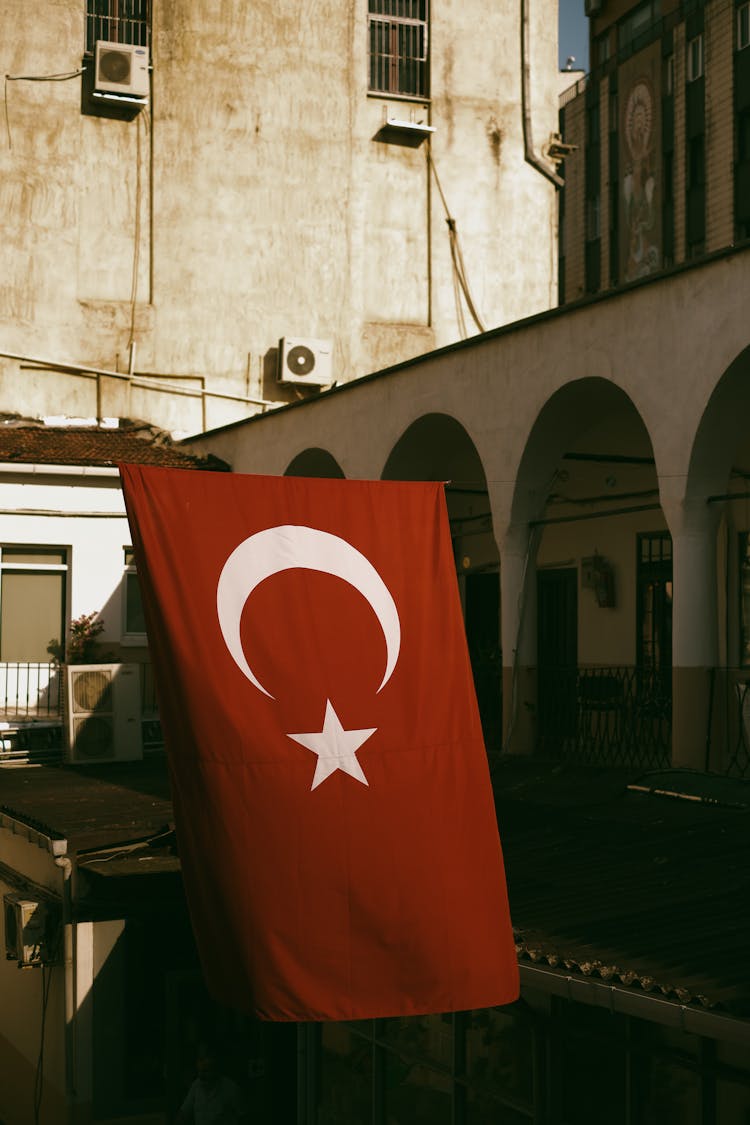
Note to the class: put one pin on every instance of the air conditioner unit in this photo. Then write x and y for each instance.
(31, 930)
(305, 361)
(121, 68)
(103, 712)
(592, 7)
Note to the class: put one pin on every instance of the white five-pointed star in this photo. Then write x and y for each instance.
(336, 748)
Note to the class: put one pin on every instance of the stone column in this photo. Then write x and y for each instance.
(694, 629)
(518, 613)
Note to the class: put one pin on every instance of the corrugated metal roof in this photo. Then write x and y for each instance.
(631, 887)
(91, 807)
(24, 442)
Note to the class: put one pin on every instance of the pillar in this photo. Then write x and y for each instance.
(694, 630)
(518, 612)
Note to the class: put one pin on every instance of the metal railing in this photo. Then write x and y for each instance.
(29, 690)
(728, 722)
(32, 713)
(610, 716)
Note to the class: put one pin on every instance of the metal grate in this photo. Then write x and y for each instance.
(118, 21)
(610, 716)
(399, 47)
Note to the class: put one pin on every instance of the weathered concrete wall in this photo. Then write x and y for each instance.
(250, 201)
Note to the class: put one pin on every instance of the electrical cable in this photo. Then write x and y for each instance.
(65, 76)
(39, 1075)
(460, 281)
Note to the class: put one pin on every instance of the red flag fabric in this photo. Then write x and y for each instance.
(332, 797)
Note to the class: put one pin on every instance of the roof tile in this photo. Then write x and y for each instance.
(92, 445)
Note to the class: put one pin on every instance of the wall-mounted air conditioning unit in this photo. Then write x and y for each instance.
(121, 69)
(592, 7)
(103, 713)
(32, 930)
(305, 361)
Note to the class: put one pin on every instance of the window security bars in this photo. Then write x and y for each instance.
(621, 717)
(118, 21)
(399, 47)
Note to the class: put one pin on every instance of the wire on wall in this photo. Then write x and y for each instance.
(39, 1076)
(64, 77)
(460, 281)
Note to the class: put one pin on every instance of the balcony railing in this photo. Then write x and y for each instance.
(32, 713)
(609, 716)
(29, 691)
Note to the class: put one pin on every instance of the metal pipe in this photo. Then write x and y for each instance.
(528, 144)
(596, 515)
(137, 381)
(728, 496)
(59, 849)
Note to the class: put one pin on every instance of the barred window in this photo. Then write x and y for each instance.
(399, 47)
(118, 21)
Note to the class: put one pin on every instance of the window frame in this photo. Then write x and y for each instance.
(653, 619)
(9, 550)
(129, 570)
(743, 26)
(639, 21)
(388, 71)
(743, 598)
(669, 75)
(694, 58)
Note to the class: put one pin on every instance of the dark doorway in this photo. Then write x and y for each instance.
(557, 657)
(482, 601)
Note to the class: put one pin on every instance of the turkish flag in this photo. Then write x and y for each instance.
(332, 797)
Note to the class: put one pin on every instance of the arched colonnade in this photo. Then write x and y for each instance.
(597, 462)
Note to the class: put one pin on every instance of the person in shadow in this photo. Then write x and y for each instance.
(213, 1098)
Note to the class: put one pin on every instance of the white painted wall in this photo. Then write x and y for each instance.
(84, 513)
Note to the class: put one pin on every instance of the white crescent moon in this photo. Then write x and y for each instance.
(292, 546)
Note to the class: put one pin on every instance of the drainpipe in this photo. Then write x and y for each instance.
(59, 850)
(528, 145)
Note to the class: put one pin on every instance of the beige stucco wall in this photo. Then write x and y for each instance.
(690, 328)
(250, 201)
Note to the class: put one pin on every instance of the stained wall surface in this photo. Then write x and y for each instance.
(250, 201)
